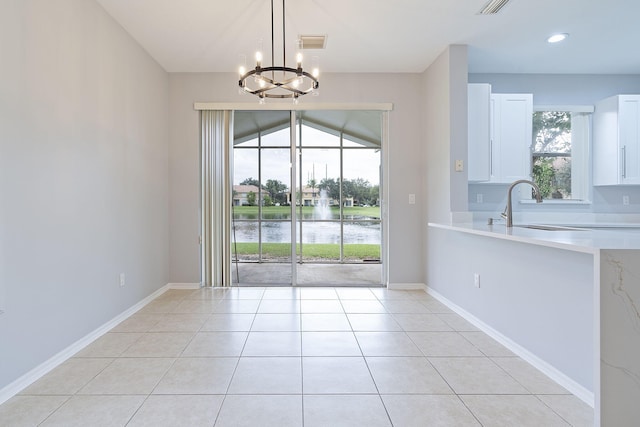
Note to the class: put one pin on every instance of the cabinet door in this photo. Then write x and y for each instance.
(629, 138)
(607, 152)
(478, 158)
(512, 138)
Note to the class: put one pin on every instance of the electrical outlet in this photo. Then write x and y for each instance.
(459, 165)
(412, 199)
(479, 198)
(476, 280)
(625, 200)
(122, 279)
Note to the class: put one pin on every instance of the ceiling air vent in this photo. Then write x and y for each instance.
(314, 42)
(493, 7)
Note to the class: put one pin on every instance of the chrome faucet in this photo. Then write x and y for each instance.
(508, 211)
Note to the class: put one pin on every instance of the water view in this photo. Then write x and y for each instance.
(320, 229)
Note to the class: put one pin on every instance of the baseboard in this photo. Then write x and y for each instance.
(407, 286)
(44, 368)
(575, 388)
(184, 285)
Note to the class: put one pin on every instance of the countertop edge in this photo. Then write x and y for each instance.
(496, 234)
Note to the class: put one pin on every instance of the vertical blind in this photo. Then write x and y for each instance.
(215, 153)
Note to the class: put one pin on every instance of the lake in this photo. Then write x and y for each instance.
(316, 228)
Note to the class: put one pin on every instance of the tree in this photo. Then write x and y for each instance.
(374, 195)
(251, 198)
(267, 201)
(277, 190)
(544, 176)
(331, 186)
(348, 189)
(552, 131)
(359, 189)
(251, 181)
(552, 153)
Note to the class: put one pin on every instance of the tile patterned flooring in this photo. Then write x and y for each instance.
(295, 357)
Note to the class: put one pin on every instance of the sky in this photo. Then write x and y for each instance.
(316, 162)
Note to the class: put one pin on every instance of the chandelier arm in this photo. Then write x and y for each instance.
(297, 71)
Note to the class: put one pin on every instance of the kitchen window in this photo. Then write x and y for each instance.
(560, 152)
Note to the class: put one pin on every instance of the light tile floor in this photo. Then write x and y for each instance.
(295, 357)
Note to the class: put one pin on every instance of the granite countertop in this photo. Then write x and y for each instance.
(588, 238)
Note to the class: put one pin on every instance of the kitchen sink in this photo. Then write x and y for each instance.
(549, 227)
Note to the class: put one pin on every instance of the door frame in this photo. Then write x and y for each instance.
(384, 108)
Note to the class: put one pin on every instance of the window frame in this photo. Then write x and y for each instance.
(581, 189)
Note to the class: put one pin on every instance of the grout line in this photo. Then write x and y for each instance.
(301, 333)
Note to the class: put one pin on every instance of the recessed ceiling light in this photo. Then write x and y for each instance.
(555, 38)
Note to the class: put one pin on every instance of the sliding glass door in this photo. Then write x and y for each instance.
(311, 178)
(339, 221)
(262, 220)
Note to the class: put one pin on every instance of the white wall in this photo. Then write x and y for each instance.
(539, 297)
(444, 86)
(83, 176)
(444, 128)
(405, 162)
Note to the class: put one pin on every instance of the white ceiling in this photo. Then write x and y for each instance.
(392, 35)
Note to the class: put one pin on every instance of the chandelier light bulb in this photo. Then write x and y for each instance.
(258, 57)
(299, 59)
(242, 61)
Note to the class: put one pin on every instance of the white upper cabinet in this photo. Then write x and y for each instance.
(479, 118)
(511, 136)
(616, 141)
(500, 135)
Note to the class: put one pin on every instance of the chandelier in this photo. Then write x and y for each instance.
(279, 81)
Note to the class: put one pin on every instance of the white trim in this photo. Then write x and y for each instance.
(569, 108)
(576, 389)
(246, 106)
(407, 286)
(47, 366)
(384, 205)
(184, 286)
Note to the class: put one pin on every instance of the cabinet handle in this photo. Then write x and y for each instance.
(624, 161)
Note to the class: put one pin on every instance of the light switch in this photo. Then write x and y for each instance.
(459, 165)
(412, 199)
